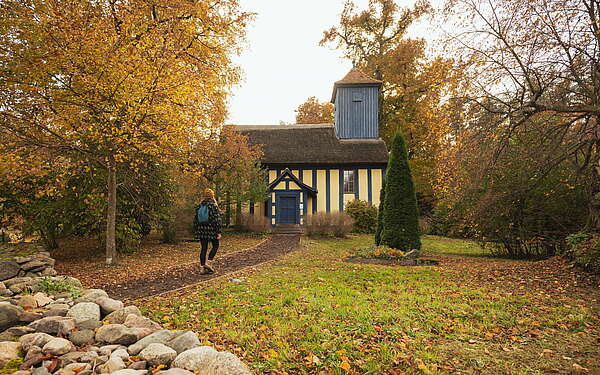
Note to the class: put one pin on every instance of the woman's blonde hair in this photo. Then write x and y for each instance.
(208, 194)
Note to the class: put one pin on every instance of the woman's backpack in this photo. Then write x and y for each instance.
(202, 213)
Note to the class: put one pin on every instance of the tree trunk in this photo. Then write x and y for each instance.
(594, 219)
(111, 213)
(238, 213)
(227, 210)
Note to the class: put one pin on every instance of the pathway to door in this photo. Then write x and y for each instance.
(189, 274)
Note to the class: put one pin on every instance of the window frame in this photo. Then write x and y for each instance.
(349, 187)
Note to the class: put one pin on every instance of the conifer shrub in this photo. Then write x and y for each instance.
(400, 212)
(364, 215)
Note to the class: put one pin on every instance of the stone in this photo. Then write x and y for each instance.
(19, 330)
(88, 324)
(91, 295)
(33, 351)
(158, 354)
(71, 357)
(27, 302)
(42, 299)
(40, 371)
(413, 254)
(162, 337)
(5, 336)
(108, 305)
(58, 346)
(56, 311)
(9, 315)
(18, 288)
(120, 353)
(118, 317)
(83, 337)
(54, 325)
(88, 356)
(21, 260)
(108, 349)
(136, 321)
(77, 367)
(138, 365)
(69, 281)
(142, 332)
(130, 372)
(9, 350)
(9, 269)
(30, 316)
(237, 281)
(22, 372)
(32, 360)
(37, 264)
(116, 334)
(174, 371)
(185, 341)
(112, 365)
(34, 339)
(50, 271)
(210, 362)
(84, 311)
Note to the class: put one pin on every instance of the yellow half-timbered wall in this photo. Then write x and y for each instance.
(330, 190)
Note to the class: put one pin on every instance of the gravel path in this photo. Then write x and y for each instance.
(183, 275)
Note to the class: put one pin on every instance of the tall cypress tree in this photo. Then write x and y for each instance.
(380, 215)
(400, 213)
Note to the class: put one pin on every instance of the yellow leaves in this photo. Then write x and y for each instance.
(345, 366)
(312, 360)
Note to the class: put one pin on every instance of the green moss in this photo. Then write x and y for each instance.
(12, 366)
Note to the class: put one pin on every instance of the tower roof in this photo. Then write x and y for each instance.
(354, 78)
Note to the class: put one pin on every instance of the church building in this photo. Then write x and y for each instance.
(319, 168)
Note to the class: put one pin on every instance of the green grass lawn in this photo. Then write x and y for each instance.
(313, 313)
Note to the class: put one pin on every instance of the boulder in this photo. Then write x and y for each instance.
(49, 272)
(88, 324)
(9, 315)
(174, 371)
(120, 353)
(118, 317)
(83, 337)
(84, 311)
(77, 367)
(22, 372)
(116, 334)
(9, 350)
(91, 295)
(158, 354)
(19, 331)
(54, 325)
(130, 372)
(138, 365)
(413, 254)
(211, 362)
(34, 339)
(37, 264)
(71, 357)
(142, 332)
(27, 302)
(33, 360)
(112, 365)
(161, 337)
(32, 352)
(42, 299)
(89, 356)
(108, 305)
(21, 260)
(9, 269)
(185, 341)
(30, 316)
(58, 346)
(56, 311)
(40, 371)
(108, 349)
(137, 321)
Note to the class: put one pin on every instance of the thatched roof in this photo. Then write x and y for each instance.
(289, 145)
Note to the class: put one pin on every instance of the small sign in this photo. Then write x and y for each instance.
(301, 206)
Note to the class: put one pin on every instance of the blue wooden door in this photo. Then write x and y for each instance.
(288, 210)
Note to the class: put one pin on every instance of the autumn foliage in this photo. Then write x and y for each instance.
(314, 112)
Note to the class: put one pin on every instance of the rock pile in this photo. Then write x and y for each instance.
(37, 265)
(77, 331)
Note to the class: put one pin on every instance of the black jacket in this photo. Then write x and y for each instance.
(208, 230)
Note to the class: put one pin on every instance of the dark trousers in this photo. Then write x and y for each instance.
(204, 249)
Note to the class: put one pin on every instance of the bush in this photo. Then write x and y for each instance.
(337, 224)
(381, 252)
(364, 215)
(255, 224)
(400, 212)
(584, 249)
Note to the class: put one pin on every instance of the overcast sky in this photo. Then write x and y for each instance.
(283, 63)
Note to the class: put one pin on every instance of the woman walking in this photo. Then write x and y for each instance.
(207, 228)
